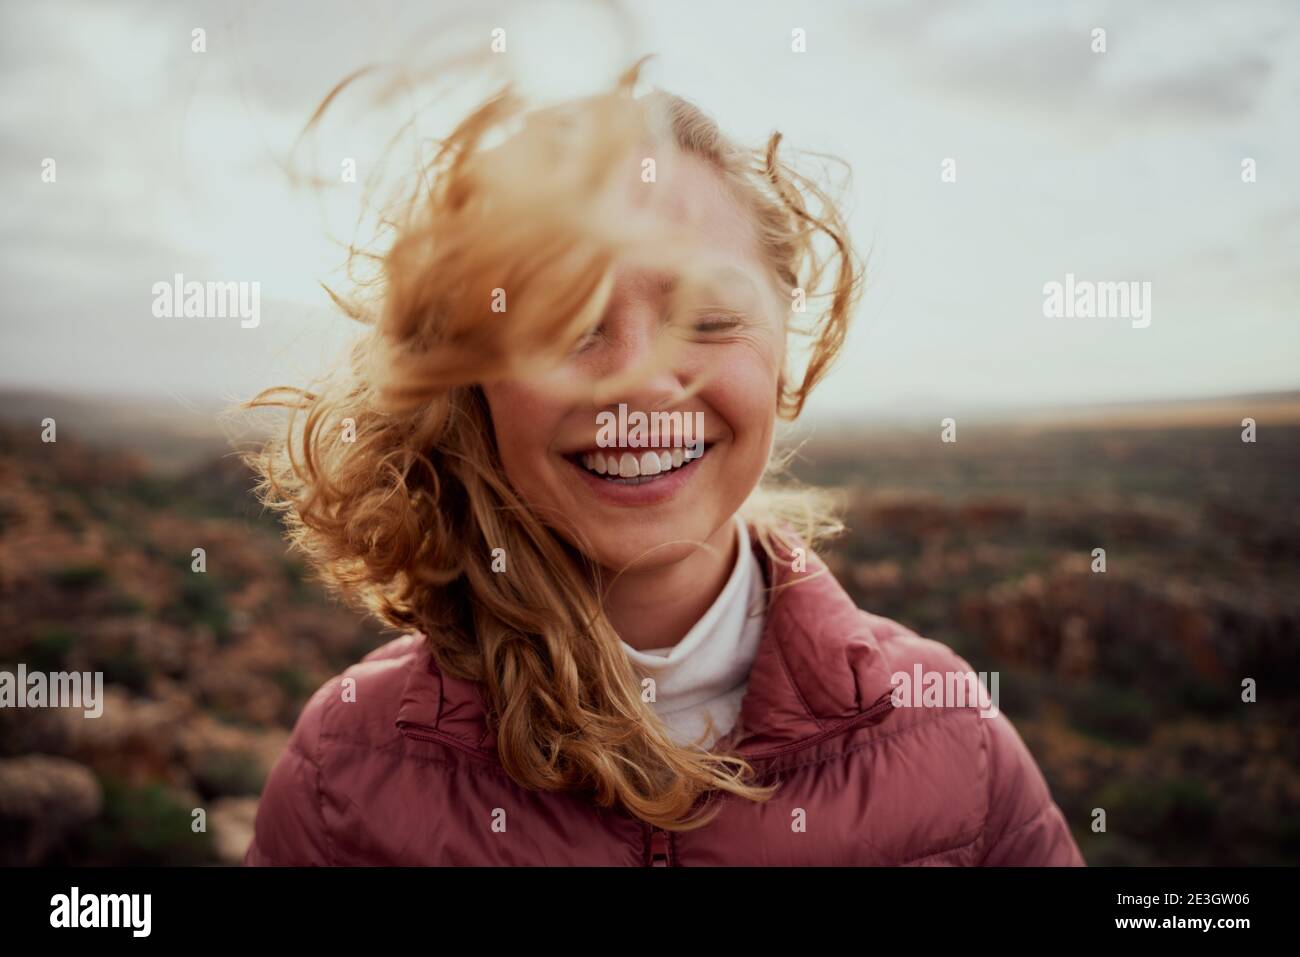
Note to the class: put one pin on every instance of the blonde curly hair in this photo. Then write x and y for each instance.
(401, 519)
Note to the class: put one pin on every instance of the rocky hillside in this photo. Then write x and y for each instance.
(205, 672)
(1126, 684)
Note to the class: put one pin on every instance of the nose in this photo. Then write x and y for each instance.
(633, 355)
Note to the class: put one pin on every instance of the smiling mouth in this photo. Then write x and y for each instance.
(630, 467)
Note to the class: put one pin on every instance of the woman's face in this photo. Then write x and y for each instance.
(617, 494)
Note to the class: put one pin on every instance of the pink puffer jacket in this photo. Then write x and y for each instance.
(407, 773)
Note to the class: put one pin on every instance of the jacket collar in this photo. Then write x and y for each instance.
(818, 668)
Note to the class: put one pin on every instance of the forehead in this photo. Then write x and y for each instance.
(691, 195)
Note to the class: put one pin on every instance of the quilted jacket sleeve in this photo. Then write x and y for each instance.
(1024, 826)
(290, 827)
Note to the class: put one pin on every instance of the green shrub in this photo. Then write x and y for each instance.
(294, 682)
(1173, 813)
(80, 576)
(202, 601)
(124, 603)
(146, 825)
(127, 668)
(1114, 715)
(229, 773)
(50, 648)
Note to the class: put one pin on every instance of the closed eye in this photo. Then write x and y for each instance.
(717, 322)
(588, 339)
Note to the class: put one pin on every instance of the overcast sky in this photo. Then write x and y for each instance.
(1122, 165)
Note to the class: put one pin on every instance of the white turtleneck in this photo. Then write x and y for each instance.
(703, 677)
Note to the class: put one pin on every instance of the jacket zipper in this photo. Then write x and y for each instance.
(658, 849)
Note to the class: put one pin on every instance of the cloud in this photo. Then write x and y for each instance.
(1185, 63)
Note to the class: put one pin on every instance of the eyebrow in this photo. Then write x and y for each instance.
(732, 281)
(727, 282)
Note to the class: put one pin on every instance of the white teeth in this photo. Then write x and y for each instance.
(633, 465)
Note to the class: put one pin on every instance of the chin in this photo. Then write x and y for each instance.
(644, 547)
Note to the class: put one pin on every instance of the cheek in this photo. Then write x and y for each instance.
(523, 421)
(744, 393)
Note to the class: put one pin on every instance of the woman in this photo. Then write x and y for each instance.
(549, 463)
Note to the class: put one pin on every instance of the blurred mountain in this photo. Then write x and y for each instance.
(170, 435)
